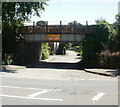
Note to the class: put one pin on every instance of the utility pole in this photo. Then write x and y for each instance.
(118, 26)
(86, 27)
(86, 23)
(33, 23)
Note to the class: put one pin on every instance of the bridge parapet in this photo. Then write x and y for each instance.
(57, 29)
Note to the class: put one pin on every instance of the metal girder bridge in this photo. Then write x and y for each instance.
(55, 33)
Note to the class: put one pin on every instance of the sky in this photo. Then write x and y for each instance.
(78, 10)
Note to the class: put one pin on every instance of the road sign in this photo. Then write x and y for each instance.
(53, 37)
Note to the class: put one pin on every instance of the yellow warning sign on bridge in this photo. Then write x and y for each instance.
(53, 37)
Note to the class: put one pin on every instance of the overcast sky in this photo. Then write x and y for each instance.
(79, 10)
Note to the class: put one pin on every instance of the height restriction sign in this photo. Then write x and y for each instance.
(53, 37)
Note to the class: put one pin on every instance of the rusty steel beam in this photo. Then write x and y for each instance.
(56, 29)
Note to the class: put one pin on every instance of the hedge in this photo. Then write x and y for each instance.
(45, 51)
(110, 60)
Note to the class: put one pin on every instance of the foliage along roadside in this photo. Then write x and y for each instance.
(102, 39)
(45, 51)
(13, 15)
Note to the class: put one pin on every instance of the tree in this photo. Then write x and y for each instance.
(74, 23)
(101, 20)
(45, 50)
(41, 23)
(13, 16)
(69, 45)
(45, 46)
(101, 39)
(117, 25)
(93, 45)
(112, 36)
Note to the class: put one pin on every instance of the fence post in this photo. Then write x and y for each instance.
(86, 30)
(33, 23)
(46, 27)
(60, 27)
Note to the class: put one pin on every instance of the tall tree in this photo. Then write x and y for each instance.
(112, 36)
(101, 20)
(99, 40)
(13, 16)
(41, 23)
(74, 23)
(118, 29)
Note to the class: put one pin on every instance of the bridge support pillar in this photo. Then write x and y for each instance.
(31, 52)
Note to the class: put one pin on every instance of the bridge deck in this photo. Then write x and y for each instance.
(56, 29)
(55, 33)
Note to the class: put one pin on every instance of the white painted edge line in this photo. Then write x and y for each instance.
(97, 97)
(38, 93)
(47, 99)
(29, 88)
(65, 79)
(82, 79)
(92, 79)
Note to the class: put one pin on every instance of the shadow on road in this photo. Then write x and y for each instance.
(9, 71)
(57, 65)
(4, 69)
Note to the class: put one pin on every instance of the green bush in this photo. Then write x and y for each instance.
(102, 38)
(110, 60)
(8, 59)
(93, 44)
(68, 45)
(45, 51)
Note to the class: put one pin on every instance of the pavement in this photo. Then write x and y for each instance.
(12, 67)
(57, 81)
(105, 72)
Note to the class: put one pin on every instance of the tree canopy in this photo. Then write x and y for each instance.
(103, 38)
(41, 23)
(74, 23)
(13, 15)
(21, 10)
(101, 20)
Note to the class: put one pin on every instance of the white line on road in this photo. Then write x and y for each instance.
(28, 75)
(47, 99)
(65, 79)
(38, 93)
(30, 88)
(97, 97)
(82, 79)
(92, 79)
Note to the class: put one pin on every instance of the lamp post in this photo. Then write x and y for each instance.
(118, 27)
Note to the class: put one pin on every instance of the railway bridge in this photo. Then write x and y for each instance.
(35, 35)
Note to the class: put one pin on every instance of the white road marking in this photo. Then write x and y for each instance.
(92, 79)
(28, 75)
(19, 87)
(97, 97)
(38, 93)
(82, 79)
(47, 99)
(66, 79)
(30, 88)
